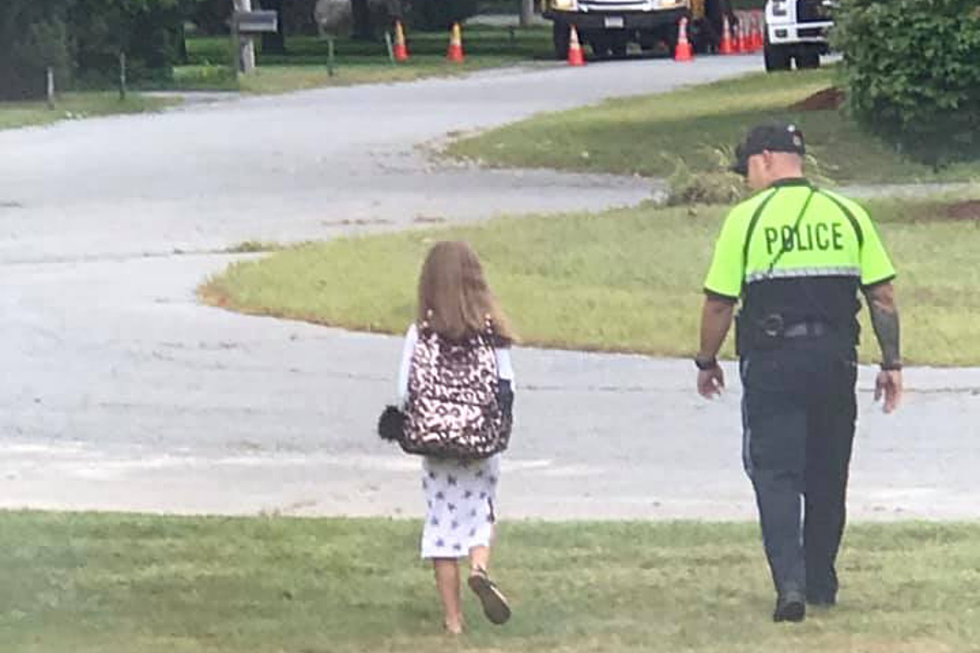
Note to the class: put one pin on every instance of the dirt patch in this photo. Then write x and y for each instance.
(969, 210)
(825, 100)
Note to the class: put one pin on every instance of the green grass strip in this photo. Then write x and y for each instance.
(698, 125)
(104, 583)
(626, 281)
(76, 106)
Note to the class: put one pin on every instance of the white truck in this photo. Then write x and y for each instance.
(609, 26)
(796, 30)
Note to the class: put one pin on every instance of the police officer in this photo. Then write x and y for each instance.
(796, 256)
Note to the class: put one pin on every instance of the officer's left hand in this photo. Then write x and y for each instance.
(888, 386)
(711, 382)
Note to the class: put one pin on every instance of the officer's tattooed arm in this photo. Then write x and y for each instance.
(884, 318)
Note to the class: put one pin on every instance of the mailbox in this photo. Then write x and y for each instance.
(256, 22)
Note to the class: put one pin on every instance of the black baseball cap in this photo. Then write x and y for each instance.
(774, 137)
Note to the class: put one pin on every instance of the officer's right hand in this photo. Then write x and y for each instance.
(711, 382)
(889, 386)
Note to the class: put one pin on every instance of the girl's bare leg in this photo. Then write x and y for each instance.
(447, 582)
(480, 558)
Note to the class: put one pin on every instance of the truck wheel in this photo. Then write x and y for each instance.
(776, 58)
(599, 50)
(807, 60)
(560, 36)
(600, 44)
(619, 50)
(671, 38)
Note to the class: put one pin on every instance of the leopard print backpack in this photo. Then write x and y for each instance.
(455, 408)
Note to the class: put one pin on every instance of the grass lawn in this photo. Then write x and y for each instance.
(75, 106)
(357, 62)
(625, 280)
(87, 583)
(699, 126)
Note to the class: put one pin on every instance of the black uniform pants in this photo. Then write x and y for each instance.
(798, 413)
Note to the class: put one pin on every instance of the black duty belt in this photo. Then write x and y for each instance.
(772, 332)
(806, 330)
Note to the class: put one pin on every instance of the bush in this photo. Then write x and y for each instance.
(33, 38)
(297, 17)
(149, 31)
(82, 39)
(910, 68)
(439, 14)
(713, 187)
(211, 16)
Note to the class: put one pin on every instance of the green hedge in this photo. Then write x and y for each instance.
(912, 72)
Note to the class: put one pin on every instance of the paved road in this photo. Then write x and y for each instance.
(120, 392)
(302, 166)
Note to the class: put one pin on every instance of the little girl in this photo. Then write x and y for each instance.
(455, 302)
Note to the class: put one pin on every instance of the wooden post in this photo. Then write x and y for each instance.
(330, 55)
(391, 52)
(50, 87)
(122, 76)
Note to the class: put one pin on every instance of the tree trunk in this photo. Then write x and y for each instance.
(361, 14)
(180, 36)
(275, 42)
(527, 12)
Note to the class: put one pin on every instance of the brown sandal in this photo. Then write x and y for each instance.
(494, 603)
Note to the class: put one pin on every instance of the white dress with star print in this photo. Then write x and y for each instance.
(459, 495)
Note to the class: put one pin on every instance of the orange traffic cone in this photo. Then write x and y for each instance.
(744, 45)
(400, 50)
(726, 46)
(455, 51)
(683, 50)
(575, 57)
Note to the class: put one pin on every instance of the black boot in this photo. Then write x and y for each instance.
(791, 606)
(821, 599)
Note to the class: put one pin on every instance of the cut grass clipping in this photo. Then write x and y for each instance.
(85, 583)
(698, 126)
(627, 280)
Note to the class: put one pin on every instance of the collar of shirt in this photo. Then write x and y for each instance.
(791, 181)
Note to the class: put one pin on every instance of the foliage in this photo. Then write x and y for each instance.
(911, 72)
(439, 14)
(82, 39)
(33, 38)
(212, 16)
(150, 32)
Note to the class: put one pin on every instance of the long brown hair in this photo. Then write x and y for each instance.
(454, 297)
